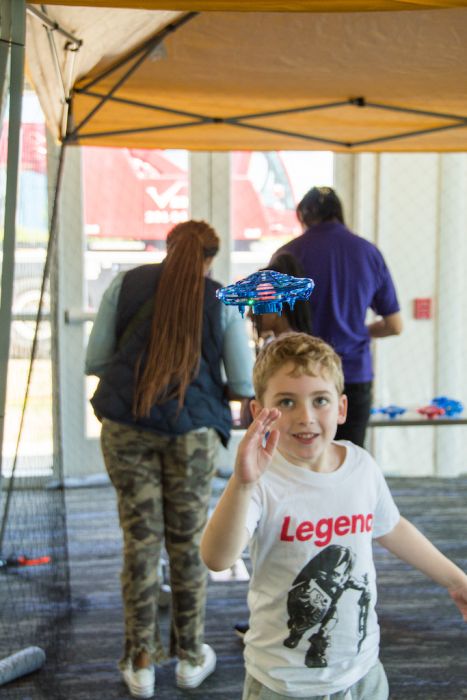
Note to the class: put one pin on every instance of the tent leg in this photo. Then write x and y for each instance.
(17, 11)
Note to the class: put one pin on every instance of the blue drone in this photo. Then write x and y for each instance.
(452, 407)
(264, 292)
(392, 411)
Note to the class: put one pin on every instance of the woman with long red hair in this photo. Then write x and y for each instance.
(158, 345)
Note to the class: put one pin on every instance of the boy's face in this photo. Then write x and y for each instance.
(311, 409)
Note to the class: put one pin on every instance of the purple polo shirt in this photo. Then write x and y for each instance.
(350, 277)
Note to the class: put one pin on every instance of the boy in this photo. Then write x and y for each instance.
(310, 507)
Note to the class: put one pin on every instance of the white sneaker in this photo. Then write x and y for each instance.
(189, 676)
(140, 682)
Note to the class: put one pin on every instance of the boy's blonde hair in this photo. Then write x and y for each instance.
(309, 355)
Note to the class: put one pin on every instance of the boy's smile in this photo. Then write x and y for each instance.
(311, 410)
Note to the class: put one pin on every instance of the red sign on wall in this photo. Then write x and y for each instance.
(422, 308)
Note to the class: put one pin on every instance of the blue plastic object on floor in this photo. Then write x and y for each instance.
(393, 411)
(452, 407)
(264, 292)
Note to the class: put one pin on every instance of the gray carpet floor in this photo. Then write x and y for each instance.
(424, 640)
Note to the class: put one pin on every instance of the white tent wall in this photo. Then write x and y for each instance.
(413, 207)
(81, 456)
(210, 200)
(452, 295)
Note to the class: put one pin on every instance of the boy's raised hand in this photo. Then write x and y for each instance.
(257, 447)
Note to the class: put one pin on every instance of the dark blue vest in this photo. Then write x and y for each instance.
(206, 403)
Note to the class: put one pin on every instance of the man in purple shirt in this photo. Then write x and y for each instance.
(350, 277)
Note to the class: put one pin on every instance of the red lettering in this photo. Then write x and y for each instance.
(358, 518)
(325, 528)
(342, 525)
(305, 531)
(323, 531)
(285, 526)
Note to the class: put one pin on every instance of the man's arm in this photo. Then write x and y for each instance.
(410, 545)
(388, 325)
(226, 535)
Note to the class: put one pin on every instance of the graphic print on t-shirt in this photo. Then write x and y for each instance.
(312, 602)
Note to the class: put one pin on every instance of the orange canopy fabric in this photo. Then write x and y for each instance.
(348, 79)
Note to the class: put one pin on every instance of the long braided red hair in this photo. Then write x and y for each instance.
(174, 345)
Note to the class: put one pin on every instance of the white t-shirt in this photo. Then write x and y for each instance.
(313, 574)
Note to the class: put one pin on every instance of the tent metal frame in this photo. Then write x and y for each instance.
(39, 316)
(54, 26)
(140, 56)
(16, 10)
(12, 49)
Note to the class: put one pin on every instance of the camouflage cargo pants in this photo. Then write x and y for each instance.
(163, 486)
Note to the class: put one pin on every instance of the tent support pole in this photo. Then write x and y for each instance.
(16, 49)
(45, 277)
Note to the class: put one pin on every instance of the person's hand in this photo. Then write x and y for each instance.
(459, 596)
(257, 447)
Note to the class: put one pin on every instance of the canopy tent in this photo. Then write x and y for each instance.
(339, 75)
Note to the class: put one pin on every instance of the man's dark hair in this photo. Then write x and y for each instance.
(318, 205)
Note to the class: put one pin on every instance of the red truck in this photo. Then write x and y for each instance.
(131, 199)
(138, 195)
(134, 194)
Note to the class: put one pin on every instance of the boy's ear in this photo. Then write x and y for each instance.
(342, 409)
(255, 407)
